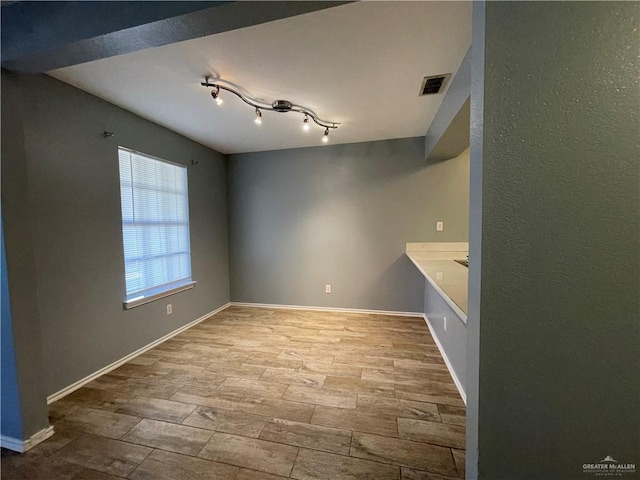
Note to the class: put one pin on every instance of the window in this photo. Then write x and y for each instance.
(155, 227)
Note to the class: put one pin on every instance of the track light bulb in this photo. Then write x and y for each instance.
(215, 94)
(325, 137)
(305, 124)
(258, 119)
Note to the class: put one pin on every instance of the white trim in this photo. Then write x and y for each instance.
(112, 366)
(430, 247)
(328, 309)
(456, 380)
(141, 300)
(22, 446)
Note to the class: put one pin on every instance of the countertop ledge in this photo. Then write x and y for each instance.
(450, 279)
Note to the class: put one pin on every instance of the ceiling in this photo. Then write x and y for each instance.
(359, 64)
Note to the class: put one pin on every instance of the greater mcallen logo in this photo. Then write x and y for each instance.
(608, 467)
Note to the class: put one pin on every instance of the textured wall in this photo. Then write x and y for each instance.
(21, 271)
(340, 215)
(475, 236)
(559, 331)
(11, 418)
(74, 193)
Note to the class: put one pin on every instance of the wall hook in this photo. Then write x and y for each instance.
(106, 134)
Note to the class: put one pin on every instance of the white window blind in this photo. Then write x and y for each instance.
(155, 225)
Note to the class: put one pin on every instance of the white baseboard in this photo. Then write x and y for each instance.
(328, 309)
(456, 380)
(22, 446)
(80, 383)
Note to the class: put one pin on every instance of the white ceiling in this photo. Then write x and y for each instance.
(360, 64)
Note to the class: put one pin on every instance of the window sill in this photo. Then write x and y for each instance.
(136, 302)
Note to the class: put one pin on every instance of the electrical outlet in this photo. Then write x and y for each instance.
(439, 226)
(169, 309)
(438, 275)
(327, 289)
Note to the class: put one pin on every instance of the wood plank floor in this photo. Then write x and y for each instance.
(264, 394)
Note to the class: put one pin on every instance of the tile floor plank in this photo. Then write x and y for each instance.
(321, 396)
(168, 436)
(161, 465)
(314, 465)
(429, 395)
(269, 407)
(314, 437)
(403, 453)
(37, 468)
(426, 364)
(204, 379)
(227, 421)
(62, 436)
(103, 454)
(395, 406)
(459, 458)
(363, 361)
(354, 420)
(100, 422)
(410, 474)
(148, 387)
(234, 370)
(157, 409)
(293, 377)
(358, 385)
(98, 398)
(432, 432)
(252, 387)
(246, 474)
(330, 369)
(251, 453)
(404, 377)
(453, 415)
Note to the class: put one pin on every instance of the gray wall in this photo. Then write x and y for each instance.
(340, 215)
(21, 272)
(450, 331)
(558, 305)
(74, 204)
(11, 418)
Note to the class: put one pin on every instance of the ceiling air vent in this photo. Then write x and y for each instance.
(435, 84)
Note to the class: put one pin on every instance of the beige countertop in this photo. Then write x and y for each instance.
(436, 262)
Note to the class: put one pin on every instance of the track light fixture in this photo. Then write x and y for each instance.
(281, 106)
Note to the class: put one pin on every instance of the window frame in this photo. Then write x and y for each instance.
(160, 291)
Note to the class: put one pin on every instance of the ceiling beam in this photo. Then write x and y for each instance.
(448, 134)
(455, 138)
(39, 36)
